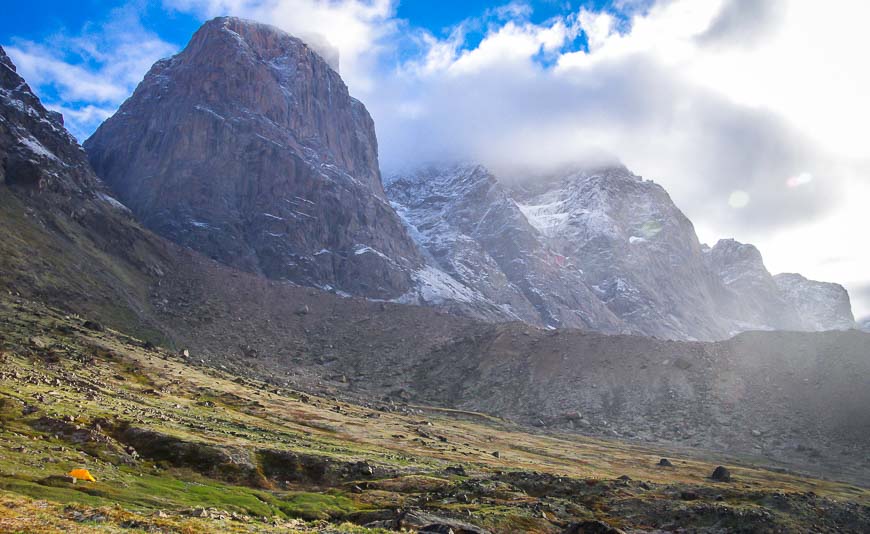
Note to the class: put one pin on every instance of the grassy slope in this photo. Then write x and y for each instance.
(76, 379)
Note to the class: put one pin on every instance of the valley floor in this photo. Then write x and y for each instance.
(180, 447)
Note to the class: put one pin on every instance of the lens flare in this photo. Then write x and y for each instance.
(738, 199)
(799, 180)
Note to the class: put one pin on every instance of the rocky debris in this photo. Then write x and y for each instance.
(272, 167)
(420, 521)
(721, 474)
(93, 325)
(92, 517)
(591, 527)
(664, 462)
(457, 470)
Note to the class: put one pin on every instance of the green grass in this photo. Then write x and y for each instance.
(110, 373)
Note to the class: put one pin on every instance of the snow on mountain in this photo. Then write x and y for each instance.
(637, 251)
(594, 248)
(472, 230)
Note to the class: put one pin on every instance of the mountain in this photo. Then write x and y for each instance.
(247, 147)
(822, 305)
(598, 248)
(637, 251)
(475, 232)
(756, 301)
(39, 155)
(71, 245)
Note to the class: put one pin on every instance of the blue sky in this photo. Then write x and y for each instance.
(752, 113)
(53, 23)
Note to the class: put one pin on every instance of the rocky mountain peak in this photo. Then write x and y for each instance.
(734, 261)
(615, 244)
(821, 305)
(248, 147)
(753, 301)
(39, 155)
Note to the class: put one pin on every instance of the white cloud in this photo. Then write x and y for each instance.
(91, 72)
(355, 27)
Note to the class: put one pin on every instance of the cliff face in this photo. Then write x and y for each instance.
(637, 250)
(37, 154)
(476, 233)
(247, 147)
(821, 305)
(601, 249)
(755, 302)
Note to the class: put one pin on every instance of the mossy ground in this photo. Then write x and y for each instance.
(67, 390)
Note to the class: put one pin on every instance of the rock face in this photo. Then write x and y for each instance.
(476, 233)
(596, 248)
(756, 301)
(637, 251)
(821, 305)
(37, 154)
(247, 147)
(65, 240)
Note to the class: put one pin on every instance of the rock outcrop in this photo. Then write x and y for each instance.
(637, 250)
(755, 302)
(600, 249)
(247, 147)
(595, 248)
(37, 154)
(821, 305)
(475, 232)
(65, 240)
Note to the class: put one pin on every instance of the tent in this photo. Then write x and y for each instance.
(82, 474)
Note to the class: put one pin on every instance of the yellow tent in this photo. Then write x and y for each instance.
(82, 474)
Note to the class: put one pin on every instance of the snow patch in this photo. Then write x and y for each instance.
(210, 112)
(37, 148)
(112, 201)
(360, 249)
(436, 287)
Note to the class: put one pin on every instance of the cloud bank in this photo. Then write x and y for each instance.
(752, 113)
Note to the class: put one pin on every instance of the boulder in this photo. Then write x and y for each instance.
(721, 474)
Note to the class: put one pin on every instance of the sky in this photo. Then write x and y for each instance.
(751, 113)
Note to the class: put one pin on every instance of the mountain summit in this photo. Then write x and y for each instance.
(247, 147)
(604, 249)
